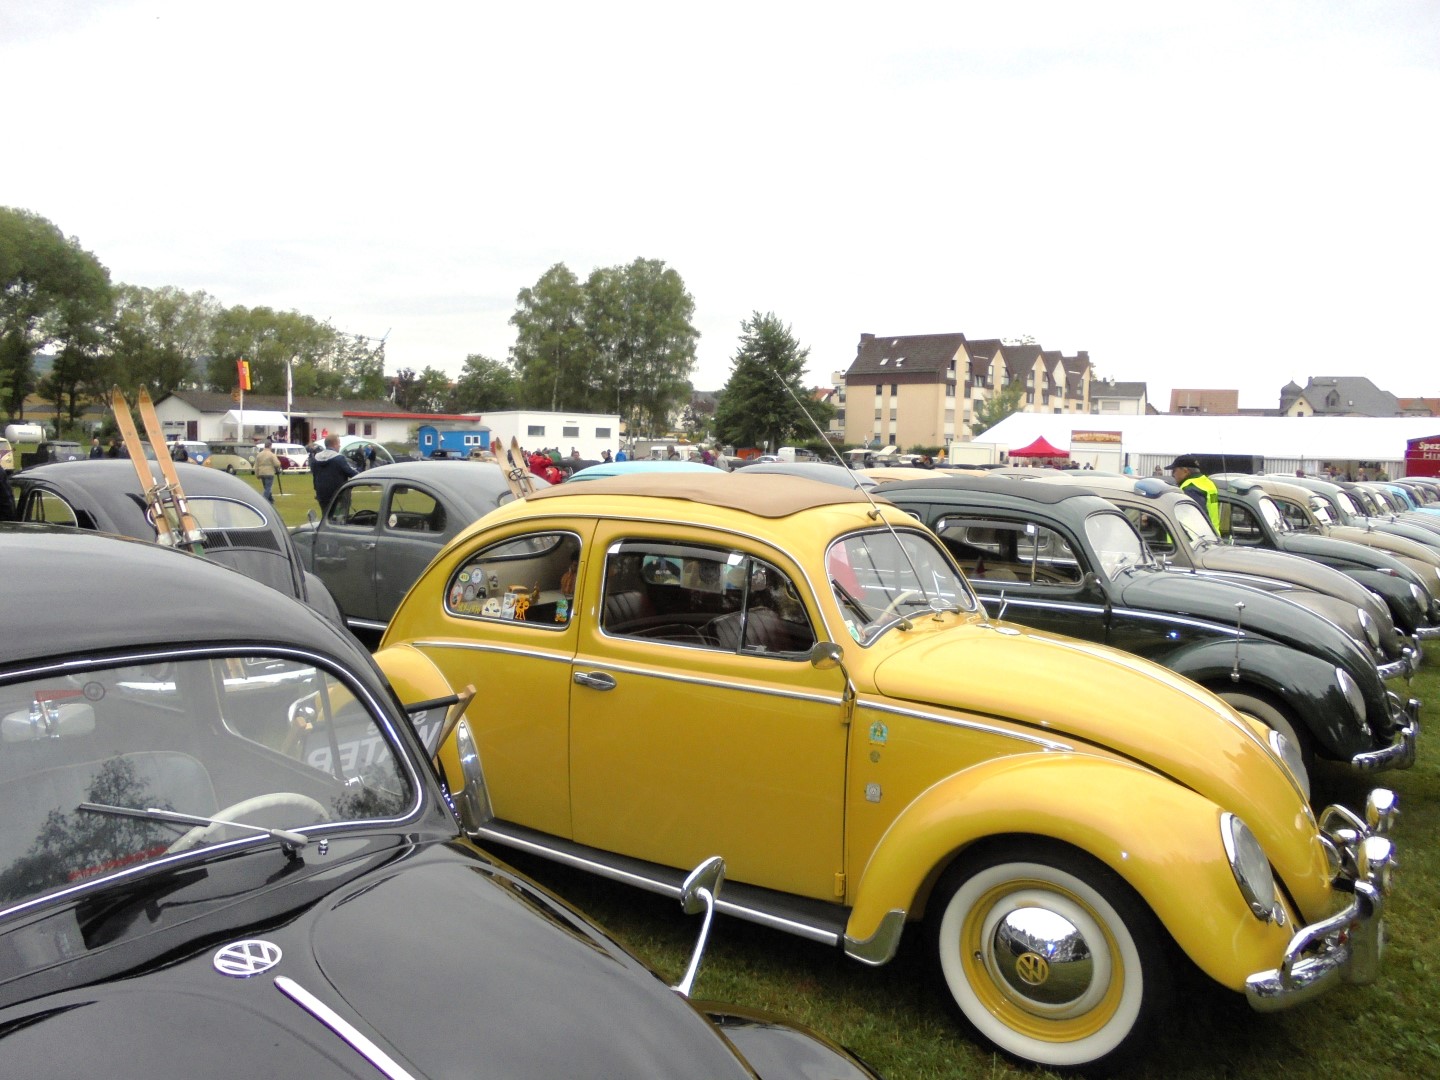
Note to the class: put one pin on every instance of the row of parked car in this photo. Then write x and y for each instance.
(997, 688)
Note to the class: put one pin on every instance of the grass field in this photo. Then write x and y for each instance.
(893, 1018)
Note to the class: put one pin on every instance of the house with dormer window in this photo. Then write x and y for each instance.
(922, 389)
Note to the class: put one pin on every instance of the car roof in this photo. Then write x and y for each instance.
(824, 471)
(462, 479)
(1040, 491)
(113, 484)
(771, 496)
(153, 595)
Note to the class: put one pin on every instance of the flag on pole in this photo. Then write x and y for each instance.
(242, 373)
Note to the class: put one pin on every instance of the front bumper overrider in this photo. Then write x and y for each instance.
(1404, 741)
(1347, 946)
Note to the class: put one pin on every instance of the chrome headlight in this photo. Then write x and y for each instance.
(1372, 632)
(1351, 689)
(1289, 753)
(1250, 867)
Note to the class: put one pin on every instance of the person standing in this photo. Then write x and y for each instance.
(329, 468)
(267, 464)
(1193, 481)
(96, 450)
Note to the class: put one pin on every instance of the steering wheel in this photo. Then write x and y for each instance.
(203, 834)
(892, 609)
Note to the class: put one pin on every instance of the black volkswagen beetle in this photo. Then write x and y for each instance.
(386, 524)
(224, 853)
(241, 529)
(1062, 559)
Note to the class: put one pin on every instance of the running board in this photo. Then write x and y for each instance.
(813, 920)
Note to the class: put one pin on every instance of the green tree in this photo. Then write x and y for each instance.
(1009, 399)
(552, 356)
(160, 338)
(485, 385)
(326, 362)
(760, 404)
(432, 391)
(638, 320)
(53, 293)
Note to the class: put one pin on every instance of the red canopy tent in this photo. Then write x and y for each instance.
(1040, 448)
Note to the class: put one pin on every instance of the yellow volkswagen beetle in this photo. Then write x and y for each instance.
(785, 673)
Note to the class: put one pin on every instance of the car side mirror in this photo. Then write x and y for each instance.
(698, 894)
(826, 655)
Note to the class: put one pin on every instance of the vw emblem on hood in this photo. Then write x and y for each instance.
(241, 959)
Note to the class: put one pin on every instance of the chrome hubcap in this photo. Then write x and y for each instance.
(1041, 957)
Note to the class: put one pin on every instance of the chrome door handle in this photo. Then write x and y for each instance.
(596, 680)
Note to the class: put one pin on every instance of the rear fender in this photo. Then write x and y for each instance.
(1100, 806)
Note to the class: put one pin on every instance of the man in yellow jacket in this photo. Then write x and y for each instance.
(1193, 481)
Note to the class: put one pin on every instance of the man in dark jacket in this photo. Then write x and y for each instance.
(329, 469)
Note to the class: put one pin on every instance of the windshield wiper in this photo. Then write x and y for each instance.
(292, 841)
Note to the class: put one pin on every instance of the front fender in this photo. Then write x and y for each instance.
(1103, 807)
(1304, 683)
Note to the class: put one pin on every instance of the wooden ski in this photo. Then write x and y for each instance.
(517, 471)
(167, 532)
(190, 529)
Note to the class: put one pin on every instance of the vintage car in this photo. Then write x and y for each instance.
(242, 531)
(1058, 557)
(232, 457)
(224, 853)
(1178, 533)
(1253, 519)
(629, 468)
(824, 471)
(800, 677)
(386, 524)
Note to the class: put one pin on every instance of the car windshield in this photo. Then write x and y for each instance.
(112, 770)
(881, 578)
(1116, 543)
(1194, 524)
(1272, 514)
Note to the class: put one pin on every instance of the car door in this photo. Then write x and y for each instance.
(345, 548)
(698, 726)
(413, 527)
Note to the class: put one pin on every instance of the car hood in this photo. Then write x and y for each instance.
(449, 964)
(1071, 690)
(1268, 614)
(1282, 567)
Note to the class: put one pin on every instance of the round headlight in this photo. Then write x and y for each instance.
(1351, 689)
(1289, 753)
(1250, 866)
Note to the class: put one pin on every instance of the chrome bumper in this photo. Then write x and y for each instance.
(1427, 633)
(1347, 947)
(1400, 754)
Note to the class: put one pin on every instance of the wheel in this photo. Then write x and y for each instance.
(1259, 709)
(204, 834)
(1049, 955)
(230, 469)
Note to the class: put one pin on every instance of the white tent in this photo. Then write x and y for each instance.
(254, 418)
(1285, 442)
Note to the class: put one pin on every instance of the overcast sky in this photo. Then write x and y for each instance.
(1229, 194)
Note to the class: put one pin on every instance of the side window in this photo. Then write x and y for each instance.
(414, 510)
(1244, 529)
(48, 507)
(356, 507)
(705, 597)
(528, 579)
(1009, 551)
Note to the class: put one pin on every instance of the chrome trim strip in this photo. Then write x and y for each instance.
(506, 650)
(626, 877)
(343, 1028)
(1223, 629)
(972, 725)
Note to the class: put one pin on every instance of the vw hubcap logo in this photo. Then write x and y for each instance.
(1033, 968)
(242, 959)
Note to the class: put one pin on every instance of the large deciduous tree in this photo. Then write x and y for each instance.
(1008, 399)
(551, 353)
(760, 404)
(325, 361)
(52, 293)
(159, 338)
